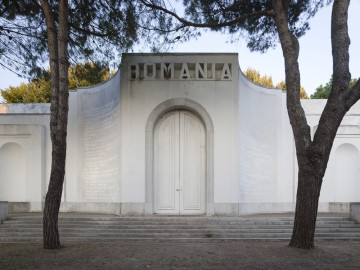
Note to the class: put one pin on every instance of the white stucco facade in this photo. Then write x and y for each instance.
(123, 134)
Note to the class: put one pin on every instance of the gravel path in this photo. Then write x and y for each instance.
(240, 255)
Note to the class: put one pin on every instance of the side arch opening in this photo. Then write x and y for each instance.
(13, 175)
(347, 173)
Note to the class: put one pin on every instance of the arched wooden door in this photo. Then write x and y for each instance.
(179, 164)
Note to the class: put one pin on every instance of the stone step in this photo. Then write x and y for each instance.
(120, 222)
(141, 230)
(338, 227)
(175, 219)
(129, 223)
(169, 217)
(176, 234)
(177, 226)
(94, 228)
(173, 226)
(167, 240)
(106, 233)
(162, 217)
(165, 222)
(9, 227)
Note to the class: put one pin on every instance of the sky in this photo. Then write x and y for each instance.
(315, 59)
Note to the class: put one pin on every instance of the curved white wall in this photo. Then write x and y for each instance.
(99, 134)
(260, 126)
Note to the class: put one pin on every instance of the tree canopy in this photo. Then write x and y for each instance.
(84, 28)
(246, 19)
(98, 30)
(256, 77)
(323, 91)
(267, 81)
(38, 90)
(282, 85)
(264, 23)
(33, 32)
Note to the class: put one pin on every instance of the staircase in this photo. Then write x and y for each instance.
(106, 228)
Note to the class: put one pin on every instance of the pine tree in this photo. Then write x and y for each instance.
(38, 90)
(263, 23)
(32, 32)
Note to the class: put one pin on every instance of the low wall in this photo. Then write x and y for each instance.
(16, 207)
(355, 211)
(3, 211)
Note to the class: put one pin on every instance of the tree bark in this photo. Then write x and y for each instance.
(57, 45)
(307, 199)
(313, 156)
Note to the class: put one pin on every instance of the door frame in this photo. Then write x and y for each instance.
(158, 111)
(178, 185)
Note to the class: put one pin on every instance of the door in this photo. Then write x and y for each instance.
(179, 164)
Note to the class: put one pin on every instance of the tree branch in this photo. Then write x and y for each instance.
(340, 46)
(54, 64)
(13, 71)
(162, 30)
(231, 7)
(92, 33)
(255, 14)
(235, 5)
(85, 31)
(290, 48)
(353, 95)
(340, 96)
(340, 50)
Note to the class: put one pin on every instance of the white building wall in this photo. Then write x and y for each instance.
(341, 181)
(219, 98)
(93, 150)
(24, 135)
(286, 166)
(72, 189)
(261, 148)
(251, 159)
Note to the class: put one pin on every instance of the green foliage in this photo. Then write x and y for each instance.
(265, 80)
(99, 30)
(258, 25)
(88, 74)
(32, 92)
(38, 90)
(323, 91)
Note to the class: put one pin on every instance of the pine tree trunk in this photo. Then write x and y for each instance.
(307, 201)
(58, 36)
(51, 237)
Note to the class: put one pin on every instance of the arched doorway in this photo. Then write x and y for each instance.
(158, 112)
(179, 164)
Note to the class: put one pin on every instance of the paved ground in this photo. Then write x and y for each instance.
(240, 255)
